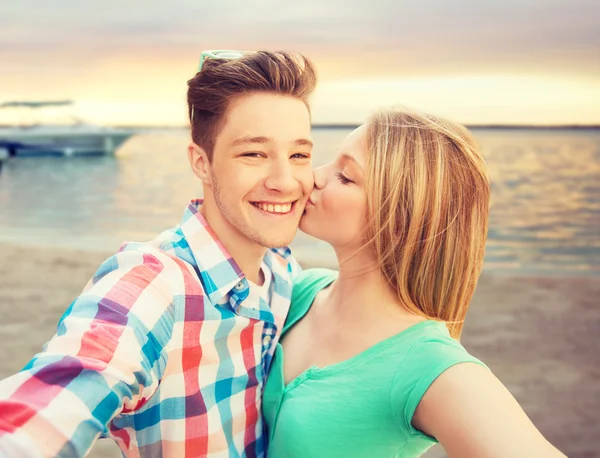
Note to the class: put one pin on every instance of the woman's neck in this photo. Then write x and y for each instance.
(361, 289)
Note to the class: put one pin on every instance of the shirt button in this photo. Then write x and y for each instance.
(239, 286)
(266, 340)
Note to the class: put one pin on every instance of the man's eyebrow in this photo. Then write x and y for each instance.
(304, 142)
(248, 139)
(263, 140)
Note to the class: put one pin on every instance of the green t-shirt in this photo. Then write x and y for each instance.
(361, 407)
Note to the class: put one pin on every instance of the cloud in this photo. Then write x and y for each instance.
(470, 59)
(387, 37)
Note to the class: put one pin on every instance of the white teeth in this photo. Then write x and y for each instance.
(277, 208)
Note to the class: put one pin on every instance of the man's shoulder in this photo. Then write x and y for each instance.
(165, 249)
(165, 256)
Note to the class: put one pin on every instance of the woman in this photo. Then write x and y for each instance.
(370, 364)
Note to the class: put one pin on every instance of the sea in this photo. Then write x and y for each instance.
(544, 220)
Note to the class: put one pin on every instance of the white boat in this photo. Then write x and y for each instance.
(44, 137)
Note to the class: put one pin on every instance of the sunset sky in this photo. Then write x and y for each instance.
(476, 61)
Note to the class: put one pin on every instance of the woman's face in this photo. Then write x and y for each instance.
(337, 208)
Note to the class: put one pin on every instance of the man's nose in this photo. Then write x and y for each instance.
(281, 178)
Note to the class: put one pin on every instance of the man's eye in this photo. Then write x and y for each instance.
(300, 156)
(252, 154)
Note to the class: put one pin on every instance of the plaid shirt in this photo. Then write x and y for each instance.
(166, 351)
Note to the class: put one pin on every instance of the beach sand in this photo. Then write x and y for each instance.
(538, 334)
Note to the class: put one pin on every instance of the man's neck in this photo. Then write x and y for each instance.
(247, 254)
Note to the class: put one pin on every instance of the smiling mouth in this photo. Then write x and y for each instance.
(271, 208)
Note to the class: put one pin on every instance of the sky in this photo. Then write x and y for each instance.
(475, 61)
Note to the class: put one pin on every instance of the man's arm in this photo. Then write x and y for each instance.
(470, 412)
(106, 359)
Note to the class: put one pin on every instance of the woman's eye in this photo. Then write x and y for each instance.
(343, 179)
(252, 154)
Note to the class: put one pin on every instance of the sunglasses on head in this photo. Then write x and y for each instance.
(220, 54)
(217, 54)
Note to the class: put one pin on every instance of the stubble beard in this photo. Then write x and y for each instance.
(243, 227)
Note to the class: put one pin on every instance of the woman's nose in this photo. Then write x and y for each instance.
(320, 176)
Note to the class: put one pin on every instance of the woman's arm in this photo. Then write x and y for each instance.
(472, 414)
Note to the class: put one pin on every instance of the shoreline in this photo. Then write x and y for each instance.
(106, 246)
(538, 334)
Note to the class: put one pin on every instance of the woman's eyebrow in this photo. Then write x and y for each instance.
(345, 157)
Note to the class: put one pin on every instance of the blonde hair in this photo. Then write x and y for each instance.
(428, 196)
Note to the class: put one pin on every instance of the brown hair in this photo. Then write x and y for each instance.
(428, 195)
(221, 81)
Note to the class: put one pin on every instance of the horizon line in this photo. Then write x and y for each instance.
(355, 125)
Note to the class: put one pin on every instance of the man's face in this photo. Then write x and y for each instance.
(260, 173)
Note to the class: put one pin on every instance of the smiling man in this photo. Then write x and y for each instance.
(167, 349)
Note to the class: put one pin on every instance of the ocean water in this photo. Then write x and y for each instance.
(545, 213)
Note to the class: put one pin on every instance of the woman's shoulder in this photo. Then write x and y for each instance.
(431, 354)
(443, 349)
(433, 347)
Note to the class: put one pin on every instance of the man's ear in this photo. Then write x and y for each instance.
(199, 163)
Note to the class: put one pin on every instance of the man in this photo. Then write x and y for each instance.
(167, 348)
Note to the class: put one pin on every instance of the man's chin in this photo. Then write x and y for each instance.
(275, 241)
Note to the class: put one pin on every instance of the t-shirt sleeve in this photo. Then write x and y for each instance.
(424, 363)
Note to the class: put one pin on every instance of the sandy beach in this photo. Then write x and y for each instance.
(539, 336)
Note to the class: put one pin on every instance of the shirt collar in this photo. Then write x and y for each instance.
(218, 270)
